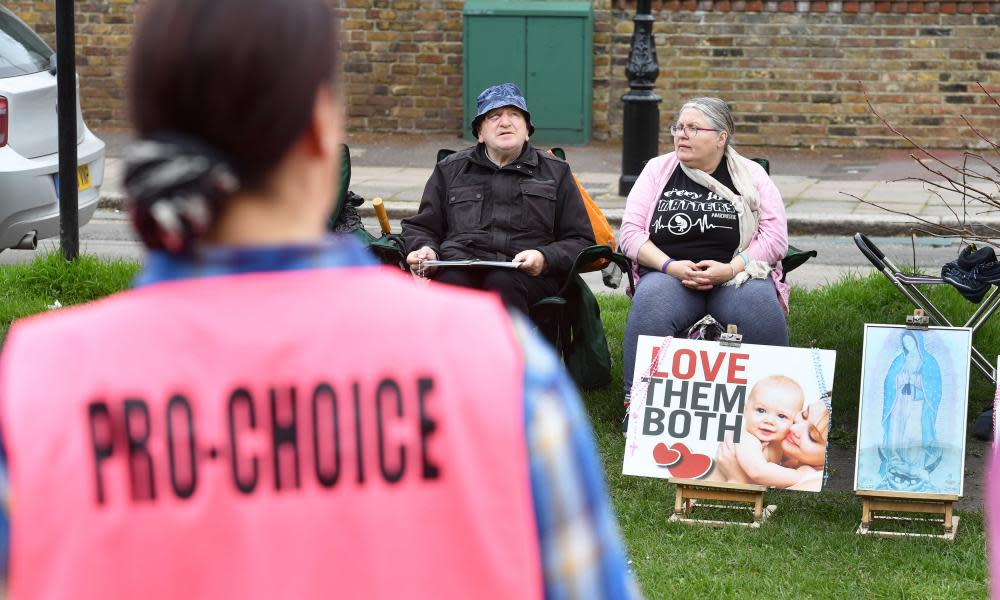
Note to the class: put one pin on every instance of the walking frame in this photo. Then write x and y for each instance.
(907, 285)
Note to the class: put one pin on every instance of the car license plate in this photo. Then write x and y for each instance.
(82, 179)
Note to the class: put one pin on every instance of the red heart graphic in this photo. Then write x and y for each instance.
(692, 465)
(684, 450)
(664, 456)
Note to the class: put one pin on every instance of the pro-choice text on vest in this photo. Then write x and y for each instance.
(270, 439)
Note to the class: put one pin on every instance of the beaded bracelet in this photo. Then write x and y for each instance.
(663, 267)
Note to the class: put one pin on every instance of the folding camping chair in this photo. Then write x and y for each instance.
(571, 319)
(907, 285)
(388, 248)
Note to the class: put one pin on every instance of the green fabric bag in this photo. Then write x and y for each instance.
(343, 182)
(388, 248)
(586, 351)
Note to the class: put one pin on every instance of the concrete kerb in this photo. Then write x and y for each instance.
(799, 225)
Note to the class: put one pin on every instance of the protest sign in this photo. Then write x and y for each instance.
(747, 414)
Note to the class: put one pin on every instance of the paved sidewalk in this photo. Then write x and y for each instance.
(826, 191)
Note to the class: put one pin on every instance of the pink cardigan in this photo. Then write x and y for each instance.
(769, 244)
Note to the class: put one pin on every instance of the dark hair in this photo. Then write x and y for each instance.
(233, 81)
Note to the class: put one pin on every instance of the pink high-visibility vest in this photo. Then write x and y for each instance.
(311, 434)
(991, 505)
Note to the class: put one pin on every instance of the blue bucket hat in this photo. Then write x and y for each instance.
(505, 94)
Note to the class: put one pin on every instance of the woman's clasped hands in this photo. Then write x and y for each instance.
(702, 275)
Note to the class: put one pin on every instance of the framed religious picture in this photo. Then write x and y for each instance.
(914, 398)
(748, 414)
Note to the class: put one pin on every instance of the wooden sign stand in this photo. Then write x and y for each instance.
(873, 501)
(939, 504)
(690, 491)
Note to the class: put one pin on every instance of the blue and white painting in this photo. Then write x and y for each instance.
(914, 394)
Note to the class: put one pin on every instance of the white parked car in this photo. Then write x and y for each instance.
(29, 141)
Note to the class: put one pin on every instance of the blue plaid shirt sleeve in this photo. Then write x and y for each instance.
(582, 551)
(4, 516)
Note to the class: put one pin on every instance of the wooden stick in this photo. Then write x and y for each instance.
(383, 218)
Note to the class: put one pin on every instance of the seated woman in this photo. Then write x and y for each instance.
(698, 222)
(803, 454)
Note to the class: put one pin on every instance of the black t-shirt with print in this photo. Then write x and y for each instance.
(691, 223)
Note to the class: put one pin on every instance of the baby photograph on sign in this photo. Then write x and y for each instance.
(911, 423)
(747, 414)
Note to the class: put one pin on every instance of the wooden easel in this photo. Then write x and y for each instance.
(873, 501)
(939, 504)
(689, 491)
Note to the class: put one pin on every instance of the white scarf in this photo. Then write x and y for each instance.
(747, 205)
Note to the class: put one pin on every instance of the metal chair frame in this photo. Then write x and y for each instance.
(907, 285)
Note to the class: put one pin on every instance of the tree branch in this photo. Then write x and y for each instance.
(965, 180)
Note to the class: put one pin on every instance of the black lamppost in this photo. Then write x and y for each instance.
(69, 205)
(641, 131)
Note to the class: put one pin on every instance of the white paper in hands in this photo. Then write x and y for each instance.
(472, 263)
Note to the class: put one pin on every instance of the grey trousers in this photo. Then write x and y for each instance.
(662, 306)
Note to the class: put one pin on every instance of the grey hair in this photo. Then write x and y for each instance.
(716, 110)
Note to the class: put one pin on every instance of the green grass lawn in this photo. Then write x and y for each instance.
(807, 550)
(31, 288)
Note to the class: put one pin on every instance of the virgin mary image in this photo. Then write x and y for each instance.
(911, 397)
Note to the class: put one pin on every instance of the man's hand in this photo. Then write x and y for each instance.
(426, 253)
(532, 262)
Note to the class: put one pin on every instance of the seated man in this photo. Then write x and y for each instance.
(501, 200)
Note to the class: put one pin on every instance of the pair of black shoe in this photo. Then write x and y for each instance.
(973, 272)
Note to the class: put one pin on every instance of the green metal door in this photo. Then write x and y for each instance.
(546, 48)
(497, 43)
(555, 75)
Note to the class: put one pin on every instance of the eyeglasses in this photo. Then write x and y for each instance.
(689, 130)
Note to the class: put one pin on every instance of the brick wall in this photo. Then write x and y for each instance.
(794, 71)
(103, 38)
(403, 69)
